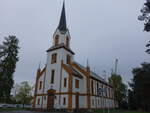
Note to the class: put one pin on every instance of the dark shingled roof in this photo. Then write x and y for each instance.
(60, 46)
(62, 24)
(93, 74)
(74, 70)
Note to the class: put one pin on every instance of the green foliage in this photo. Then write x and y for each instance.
(9, 110)
(141, 86)
(146, 18)
(119, 88)
(131, 100)
(24, 93)
(148, 46)
(8, 60)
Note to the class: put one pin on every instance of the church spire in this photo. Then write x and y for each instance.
(62, 24)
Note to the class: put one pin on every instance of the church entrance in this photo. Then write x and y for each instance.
(50, 99)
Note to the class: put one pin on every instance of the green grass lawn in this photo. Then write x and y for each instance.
(95, 111)
(118, 111)
(11, 109)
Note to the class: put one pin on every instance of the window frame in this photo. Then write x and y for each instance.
(77, 83)
(56, 40)
(40, 85)
(38, 101)
(67, 41)
(54, 58)
(65, 82)
(68, 59)
(92, 87)
(64, 101)
(52, 76)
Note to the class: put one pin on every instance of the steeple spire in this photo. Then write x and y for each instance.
(62, 24)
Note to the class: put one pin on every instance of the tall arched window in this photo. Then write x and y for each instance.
(67, 42)
(54, 58)
(52, 76)
(68, 59)
(40, 86)
(56, 40)
(92, 87)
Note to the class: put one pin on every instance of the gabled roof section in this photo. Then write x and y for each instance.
(41, 72)
(60, 46)
(71, 70)
(62, 23)
(93, 74)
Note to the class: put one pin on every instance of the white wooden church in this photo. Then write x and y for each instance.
(64, 83)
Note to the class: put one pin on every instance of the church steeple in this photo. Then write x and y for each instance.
(61, 37)
(62, 23)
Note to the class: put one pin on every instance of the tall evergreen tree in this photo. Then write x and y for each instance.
(8, 60)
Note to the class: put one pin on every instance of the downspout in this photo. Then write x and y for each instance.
(43, 86)
(60, 82)
(36, 86)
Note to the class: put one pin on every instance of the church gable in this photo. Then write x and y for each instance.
(72, 71)
(82, 70)
(41, 72)
(40, 80)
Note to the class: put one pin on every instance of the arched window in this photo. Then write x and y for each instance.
(67, 42)
(52, 76)
(68, 59)
(40, 86)
(64, 101)
(56, 40)
(38, 101)
(92, 87)
(54, 58)
(65, 82)
(77, 83)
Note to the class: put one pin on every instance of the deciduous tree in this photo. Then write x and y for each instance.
(119, 88)
(24, 93)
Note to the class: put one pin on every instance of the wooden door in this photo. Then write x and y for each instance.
(77, 101)
(50, 101)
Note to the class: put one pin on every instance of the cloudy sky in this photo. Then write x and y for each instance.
(101, 30)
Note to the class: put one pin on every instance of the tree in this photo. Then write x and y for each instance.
(146, 18)
(132, 104)
(119, 88)
(148, 46)
(8, 60)
(141, 86)
(24, 93)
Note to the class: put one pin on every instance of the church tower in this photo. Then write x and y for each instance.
(59, 53)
